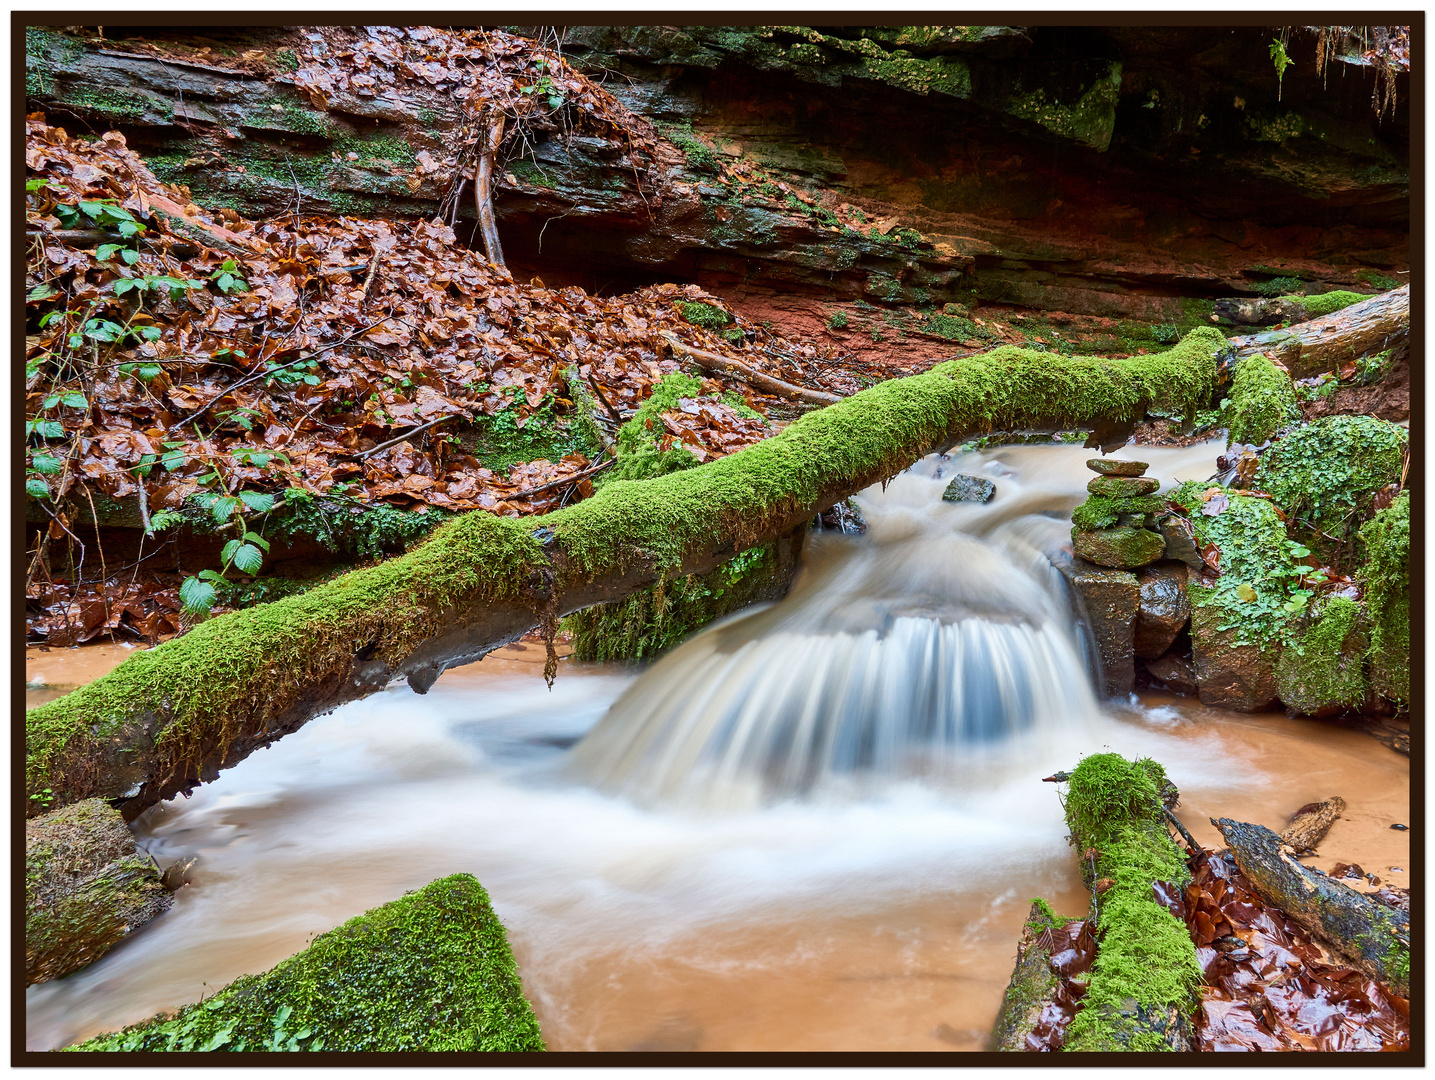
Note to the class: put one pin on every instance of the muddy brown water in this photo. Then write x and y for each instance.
(879, 920)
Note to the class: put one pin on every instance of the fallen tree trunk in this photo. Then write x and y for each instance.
(1373, 938)
(171, 717)
(1039, 1000)
(1309, 348)
(723, 365)
(1145, 983)
(1308, 826)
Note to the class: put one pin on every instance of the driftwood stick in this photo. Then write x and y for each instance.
(725, 365)
(1371, 937)
(1310, 823)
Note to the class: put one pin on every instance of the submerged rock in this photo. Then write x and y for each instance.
(429, 971)
(1164, 608)
(86, 886)
(964, 488)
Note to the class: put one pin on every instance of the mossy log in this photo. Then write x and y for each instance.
(1323, 344)
(86, 887)
(1144, 984)
(429, 971)
(1371, 937)
(1035, 1006)
(171, 717)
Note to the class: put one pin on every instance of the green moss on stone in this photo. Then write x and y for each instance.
(1104, 512)
(639, 457)
(1387, 597)
(1323, 666)
(1146, 965)
(1326, 303)
(1262, 401)
(708, 316)
(431, 971)
(1090, 119)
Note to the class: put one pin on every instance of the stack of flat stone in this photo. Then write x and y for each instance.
(1116, 526)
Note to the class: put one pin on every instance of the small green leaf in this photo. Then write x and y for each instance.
(248, 559)
(258, 501)
(130, 228)
(222, 509)
(130, 256)
(227, 553)
(124, 285)
(1246, 593)
(75, 401)
(197, 596)
(51, 401)
(255, 538)
(47, 464)
(106, 252)
(37, 488)
(42, 291)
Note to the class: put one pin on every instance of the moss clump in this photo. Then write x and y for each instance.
(706, 316)
(508, 437)
(1124, 547)
(430, 971)
(1387, 597)
(1323, 667)
(1325, 475)
(650, 622)
(86, 886)
(1326, 303)
(1091, 118)
(639, 457)
(1278, 287)
(699, 155)
(346, 528)
(1254, 555)
(1146, 975)
(1262, 401)
(1104, 512)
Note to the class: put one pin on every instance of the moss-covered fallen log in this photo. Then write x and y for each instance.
(1373, 938)
(1323, 344)
(1144, 984)
(171, 717)
(86, 887)
(1039, 1000)
(429, 971)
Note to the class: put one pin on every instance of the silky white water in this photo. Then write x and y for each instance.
(859, 890)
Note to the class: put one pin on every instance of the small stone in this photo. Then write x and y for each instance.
(1123, 487)
(1124, 549)
(964, 488)
(1400, 828)
(1177, 672)
(1112, 467)
(1180, 540)
(1133, 521)
(1164, 608)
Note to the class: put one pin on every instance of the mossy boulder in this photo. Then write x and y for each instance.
(1229, 674)
(1387, 597)
(429, 971)
(86, 887)
(1322, 670)
(1103, 512)
(1122, 548)
(1123, 487)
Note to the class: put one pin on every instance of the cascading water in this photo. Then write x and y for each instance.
(939, 643)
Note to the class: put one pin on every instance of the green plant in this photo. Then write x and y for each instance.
(706, 316)
(105, 213)
(1281, 60)
(245, 553)
(543, 86)
(227, 278)
(838, 321)
(155, 282)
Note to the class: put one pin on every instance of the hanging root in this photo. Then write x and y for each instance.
(483, 192)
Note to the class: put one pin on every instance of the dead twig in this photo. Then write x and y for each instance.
(406, 436)
(571, 478)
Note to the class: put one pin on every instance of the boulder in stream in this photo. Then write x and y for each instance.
(1121, 548)
(964, 488)
(1109, 600)
(1163, 609)
(1231, 676)
(86, 886)
(429, 971)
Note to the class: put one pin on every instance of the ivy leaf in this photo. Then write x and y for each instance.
(197, 596)
(248, 559)
(258, 501)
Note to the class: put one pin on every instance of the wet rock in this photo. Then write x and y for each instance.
(1121, 548)
(843, 517)
(1327, 675)
(86, 887)
(1178, 673)
(964, 488)
(1230, 676)
(1112, 467)
(1163, 610)
(1109, 600)
(1180, 540)
(1123, 487)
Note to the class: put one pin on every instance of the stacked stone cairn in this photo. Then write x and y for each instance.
(1117, 524)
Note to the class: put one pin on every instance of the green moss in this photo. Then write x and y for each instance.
(1045, 915)
(239, 671)
(1376, 280)
(345, 528)
(639, 457)
(708, 316)
(377, 150)
(1254, 554)
(1104, 511)
(1323, 665)
(1325, 475)
(531, 174)
(286, 60)
(118, 105)
(1146, 964)
(1262, 401)
(431, 971)
(920, 75)
(1326, 303)
(506, 437)
(650, 622)
(1387, 597)
(1091, 118)
(1277, 286)
(699, 155)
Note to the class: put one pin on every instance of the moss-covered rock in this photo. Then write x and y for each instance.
(429, 971)
(1322, 670)
(86, 887)
(1230, 674)
(1325, 475)
(1261, 402)
(1123, 487)
(1121, 547)
(1317, 306)
(1143, 986)
(1102, 512)
(1116, 467)
(1387, 597)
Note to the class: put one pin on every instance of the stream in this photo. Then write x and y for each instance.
(753, 844)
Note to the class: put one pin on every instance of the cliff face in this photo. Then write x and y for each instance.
(843, 182)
